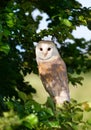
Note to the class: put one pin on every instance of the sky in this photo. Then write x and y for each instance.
(86, 3)
(83, 31)
(80, 32)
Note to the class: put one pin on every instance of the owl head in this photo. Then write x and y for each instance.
(46, 50)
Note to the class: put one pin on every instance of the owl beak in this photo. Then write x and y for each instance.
(45, 54)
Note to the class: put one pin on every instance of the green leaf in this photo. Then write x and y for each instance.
(86, 106)
(6, 32)
(4, 48)
(54, 124)
(30, 121)
(77, 116)
(67, 22)
(89, 121)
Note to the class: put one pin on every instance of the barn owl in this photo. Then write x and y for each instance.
(52, 71)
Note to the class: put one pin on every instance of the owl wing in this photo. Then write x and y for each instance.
(61, 71)
(61, 82)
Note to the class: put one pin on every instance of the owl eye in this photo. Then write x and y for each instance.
(49, 49)
(41, 49)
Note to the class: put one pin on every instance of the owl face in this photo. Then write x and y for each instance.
(45, 50)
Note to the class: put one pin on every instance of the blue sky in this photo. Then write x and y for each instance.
(86, 3)
(83, 31)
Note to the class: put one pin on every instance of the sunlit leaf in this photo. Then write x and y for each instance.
(67, 22)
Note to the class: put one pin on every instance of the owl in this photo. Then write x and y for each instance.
(52, 71)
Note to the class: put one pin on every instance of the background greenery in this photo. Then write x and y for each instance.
(18, 33)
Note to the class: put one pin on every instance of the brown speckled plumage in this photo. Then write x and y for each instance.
(53, 73)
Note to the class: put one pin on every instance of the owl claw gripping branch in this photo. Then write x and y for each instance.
(52, 71)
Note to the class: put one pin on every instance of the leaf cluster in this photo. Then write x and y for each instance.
(34, 116)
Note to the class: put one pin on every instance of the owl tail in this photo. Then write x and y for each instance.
(60, 99)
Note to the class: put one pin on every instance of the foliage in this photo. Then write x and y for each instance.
(32, 115)
(17, 58)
